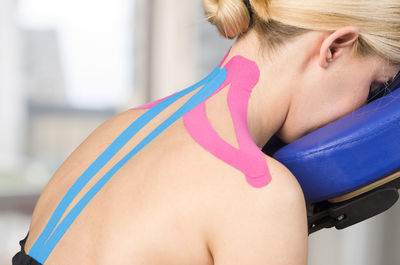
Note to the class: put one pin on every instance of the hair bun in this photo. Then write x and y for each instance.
(231, 17)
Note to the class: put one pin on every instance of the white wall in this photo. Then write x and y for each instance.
(12, 96)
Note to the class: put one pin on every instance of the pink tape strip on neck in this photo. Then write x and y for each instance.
(242, 75)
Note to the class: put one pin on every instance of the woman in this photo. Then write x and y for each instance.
(200, 191)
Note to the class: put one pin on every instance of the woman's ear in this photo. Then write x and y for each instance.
(336, 43)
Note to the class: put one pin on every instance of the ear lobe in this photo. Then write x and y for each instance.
(335, 43)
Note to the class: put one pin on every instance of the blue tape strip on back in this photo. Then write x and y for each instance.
(111, 150)
(196, 99)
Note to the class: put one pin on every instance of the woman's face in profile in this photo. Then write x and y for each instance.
(334, 93)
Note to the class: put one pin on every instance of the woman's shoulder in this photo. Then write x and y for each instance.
(249, 225)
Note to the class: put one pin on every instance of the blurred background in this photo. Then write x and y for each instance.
(66, 66)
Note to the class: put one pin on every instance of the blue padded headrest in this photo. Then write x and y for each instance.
(349, 153)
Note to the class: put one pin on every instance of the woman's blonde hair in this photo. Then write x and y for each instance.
(279, 21)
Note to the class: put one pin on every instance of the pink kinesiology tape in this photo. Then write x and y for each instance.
(242, 76)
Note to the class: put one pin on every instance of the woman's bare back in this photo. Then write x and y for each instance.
(164, 206)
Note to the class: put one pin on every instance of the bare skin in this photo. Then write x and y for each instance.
(162, 207)
(175, 203)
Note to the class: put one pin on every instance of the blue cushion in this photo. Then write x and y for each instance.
(349, 153)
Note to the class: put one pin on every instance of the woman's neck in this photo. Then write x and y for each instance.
(269, 102)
